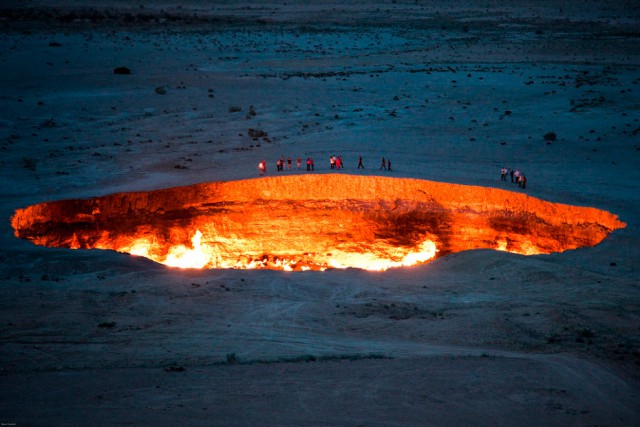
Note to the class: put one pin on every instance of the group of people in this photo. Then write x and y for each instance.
(517, 177)
(280, 164)
(335, 162)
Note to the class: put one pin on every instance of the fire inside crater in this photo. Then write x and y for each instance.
(313, 222)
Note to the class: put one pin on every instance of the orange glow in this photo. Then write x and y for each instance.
(313, 222)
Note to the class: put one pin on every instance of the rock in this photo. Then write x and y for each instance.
(174, 369)
(121, 70)
(257, 133)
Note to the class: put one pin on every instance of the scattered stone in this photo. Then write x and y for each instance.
(50, 123)
(107, 325)
(121, 70)
(29, 163)
(553, 339)
(174, 369)
(256, 133)
(161, 90)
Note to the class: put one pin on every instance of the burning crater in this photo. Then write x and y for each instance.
(313, 222)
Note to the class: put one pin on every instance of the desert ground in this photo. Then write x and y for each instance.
(450, 92)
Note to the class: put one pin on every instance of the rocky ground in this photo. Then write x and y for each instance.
(449, 93)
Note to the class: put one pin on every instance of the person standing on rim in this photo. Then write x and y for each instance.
(384, 165)
(360, 165)
(389, 165)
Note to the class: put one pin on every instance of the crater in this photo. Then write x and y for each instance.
(313, 222)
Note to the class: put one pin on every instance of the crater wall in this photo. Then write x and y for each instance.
(313, 221)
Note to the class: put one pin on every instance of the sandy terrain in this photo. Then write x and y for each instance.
(449, 93)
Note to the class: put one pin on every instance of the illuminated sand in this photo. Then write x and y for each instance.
(313, 222)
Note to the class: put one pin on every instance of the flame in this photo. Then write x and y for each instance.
(202, 255)
(524, 247)
(370, 261)
(426, 252)
(527, 248)
(180, 256)
(183, 257)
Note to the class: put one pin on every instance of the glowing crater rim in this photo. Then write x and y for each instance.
(313, 222)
